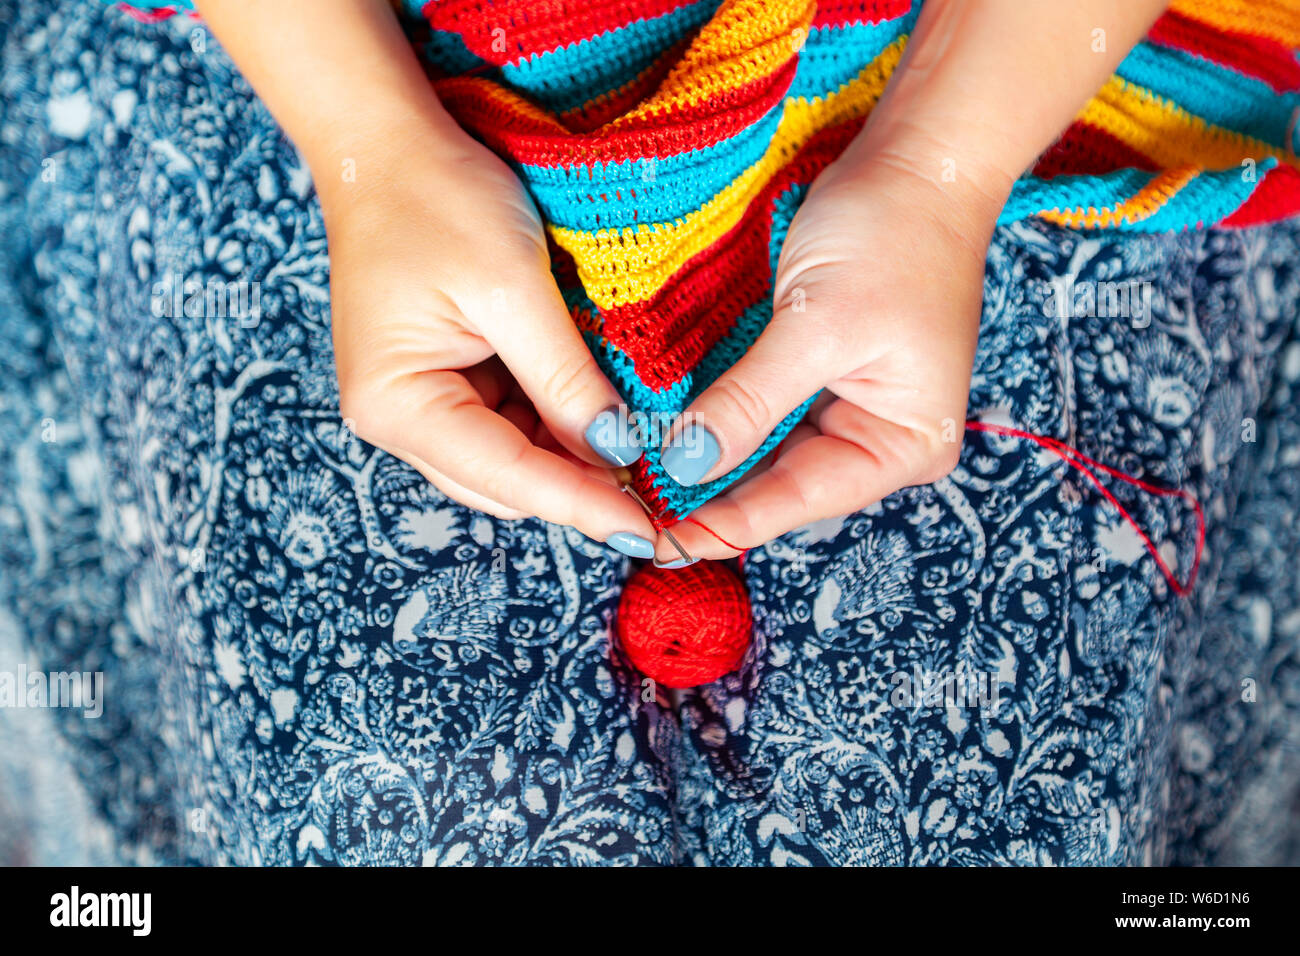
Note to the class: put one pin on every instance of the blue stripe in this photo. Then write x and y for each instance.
(833, 56)
(1208, 199)
(666, 189)
(1030, 196)
(567, 78)
(1216, 94)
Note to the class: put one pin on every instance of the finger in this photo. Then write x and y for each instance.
(788, 364)
(545, 352)
(813, 478)
(462, 494)
(439, 419)
(452, 490)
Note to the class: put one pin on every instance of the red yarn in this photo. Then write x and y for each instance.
(686, 627)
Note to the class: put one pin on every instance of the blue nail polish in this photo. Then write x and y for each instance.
(633, 545)
(690, 456)
(614, 438)
(679, 563)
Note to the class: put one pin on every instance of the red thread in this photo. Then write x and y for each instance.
(701, 524)
(1079, 460)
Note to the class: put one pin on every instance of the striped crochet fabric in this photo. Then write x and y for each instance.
(668, 143)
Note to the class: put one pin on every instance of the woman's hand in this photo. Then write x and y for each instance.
(877, 295)
(880, 280)
(454, 348)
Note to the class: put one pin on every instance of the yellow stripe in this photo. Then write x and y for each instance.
(745, 41)
(1146, 202)
(1167, 133)
(1276, 19)
(619, 267)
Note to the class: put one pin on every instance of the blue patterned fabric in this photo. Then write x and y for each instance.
(311, 656)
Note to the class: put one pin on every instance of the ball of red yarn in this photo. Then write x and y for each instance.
(686, 627)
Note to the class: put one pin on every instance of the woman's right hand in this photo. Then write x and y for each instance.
(455, 350)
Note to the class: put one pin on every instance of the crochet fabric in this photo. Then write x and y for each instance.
(668, 143)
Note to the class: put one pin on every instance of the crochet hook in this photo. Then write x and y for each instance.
(625, 477)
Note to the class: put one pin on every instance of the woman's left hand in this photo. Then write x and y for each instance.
(880, 281)
(877, 300)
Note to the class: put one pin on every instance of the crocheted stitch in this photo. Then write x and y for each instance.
(668, 144)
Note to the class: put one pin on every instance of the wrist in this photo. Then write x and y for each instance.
(374, 153)
(929, 175)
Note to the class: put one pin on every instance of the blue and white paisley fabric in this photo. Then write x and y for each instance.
(312, 657)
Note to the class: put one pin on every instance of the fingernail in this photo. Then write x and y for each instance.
(633, 545)
(690, 456)
(613, 437)
(674, 565)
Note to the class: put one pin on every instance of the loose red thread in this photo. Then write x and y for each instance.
(702, 525)
(1082, 462)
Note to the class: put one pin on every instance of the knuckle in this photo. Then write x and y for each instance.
(569, 381)
(939, 462)
(743, 403)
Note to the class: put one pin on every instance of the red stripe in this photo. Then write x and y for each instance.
(508, 31)
(1276, 197)
(668, 133)
(1260, 57)
(1084, 149)
(842, 13)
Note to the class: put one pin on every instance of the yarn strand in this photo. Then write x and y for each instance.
(1078, 460)
(1083, 463)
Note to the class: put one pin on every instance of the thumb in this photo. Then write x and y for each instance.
(535, 336)
(790, 362)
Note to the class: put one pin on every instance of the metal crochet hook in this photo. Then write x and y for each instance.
(625, 477)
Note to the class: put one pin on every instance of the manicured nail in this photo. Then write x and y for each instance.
(633, 545)
(612, 436)
(690, 456)
(674, 565)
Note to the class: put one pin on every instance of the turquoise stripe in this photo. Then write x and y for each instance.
(449, 52)
(567, 78)
(151, 5)
(1030, 195)
(1215, 93)
(683, 183)
(1211, 197)
(832, 56)
(1207, 200)
(668, 189)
